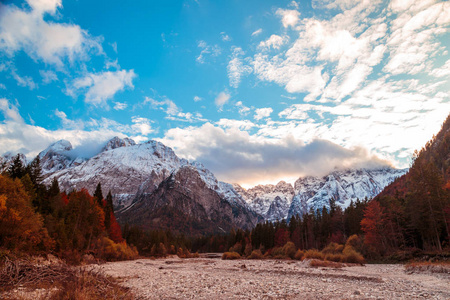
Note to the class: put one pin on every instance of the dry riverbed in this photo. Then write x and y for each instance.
(213, 278)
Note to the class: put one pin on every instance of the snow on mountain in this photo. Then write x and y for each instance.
(130, 170)
(117, 142)
(225, 190)
(270, 201)
(125, 171)
(283, 201)
(56, 157)
(341, 186)
(8, 158)
(184, 202)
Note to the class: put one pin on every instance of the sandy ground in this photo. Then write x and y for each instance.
(203, 278)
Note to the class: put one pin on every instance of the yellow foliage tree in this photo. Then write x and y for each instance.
(20, 227)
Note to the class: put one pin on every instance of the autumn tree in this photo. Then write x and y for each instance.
(373, 227)
(20, 227)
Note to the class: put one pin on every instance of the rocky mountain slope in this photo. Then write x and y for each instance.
(270, 201)
(184, 202)
(133, 173)
(284, 201)
(136, 173)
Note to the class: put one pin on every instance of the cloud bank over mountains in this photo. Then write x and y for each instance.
(304, 90)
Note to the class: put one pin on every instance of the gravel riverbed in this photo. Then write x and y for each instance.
(213, 278)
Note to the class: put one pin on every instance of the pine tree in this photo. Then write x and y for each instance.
(54, 188)
(16, 169)
(98, 195)
(108, 210)
(35, 171)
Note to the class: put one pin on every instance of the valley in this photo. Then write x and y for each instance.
(203, 278)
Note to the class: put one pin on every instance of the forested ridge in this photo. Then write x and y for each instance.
(36, 219)
(411, 215)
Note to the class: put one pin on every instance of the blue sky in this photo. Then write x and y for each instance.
(258, 91)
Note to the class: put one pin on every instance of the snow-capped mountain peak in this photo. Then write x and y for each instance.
(117, 142)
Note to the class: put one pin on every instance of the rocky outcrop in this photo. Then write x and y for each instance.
(184, 202)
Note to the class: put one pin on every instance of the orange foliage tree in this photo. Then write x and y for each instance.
(373, 226)
(20, 227)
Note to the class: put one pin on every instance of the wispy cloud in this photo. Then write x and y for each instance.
(221, 99)
(50, 42)
(257, 32)
(207, 50)
(237, 68)
(173, 112)
(100, 87)
(120, 105)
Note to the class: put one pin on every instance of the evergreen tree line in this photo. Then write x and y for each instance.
(313, 230)
(36, 218)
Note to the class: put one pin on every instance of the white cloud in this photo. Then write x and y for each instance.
(24, 81)
(413, 38)
(257, 32)
(294, 5)
(225, 37)
(197, 98)
(442, 71)
(101, 87)
(207, 50)
(296, 78)
(86, 137)
(249, 159)
(66, 122)
(2, 86)
(236, 68)
(142, 125)
(167, 105)
(243, 110)
(120, 105)
(274, 41)
(43, 40)
(48, 76)
(17, 136)
(173, 112)
(221, 99)
(261, 113)
(43, 6)
(384, 116)
(288, 17)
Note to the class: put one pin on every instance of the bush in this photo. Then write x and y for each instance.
(333, 248)
(256, 254)
(299, 254)
(334, 257)
(109, 250)
(289, 249)
(350, 255)
(237, 248)
(231, 255)
(313, 253)
(277, 252)
(355, 242)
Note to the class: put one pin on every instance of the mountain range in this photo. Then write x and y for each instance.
(154, 188)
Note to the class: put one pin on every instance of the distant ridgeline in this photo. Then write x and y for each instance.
(160, 199)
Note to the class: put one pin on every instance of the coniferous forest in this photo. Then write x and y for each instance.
(410, 216)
